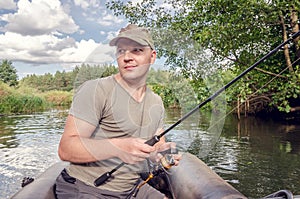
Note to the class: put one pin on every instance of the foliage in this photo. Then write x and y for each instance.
(235, 33)
(290, 90)
(87, 72)
(8, 74)
(12, 101)
(5, 90)
(56, 90)
(36, 93)
(175, 90)
(67, 81)
(58, 98)
(157, 81)
(21, 104)
(47, 82)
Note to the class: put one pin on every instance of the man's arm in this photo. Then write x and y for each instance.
(77, 146)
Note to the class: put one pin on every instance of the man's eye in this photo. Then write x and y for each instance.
(120, 51)
(134, 51)
(137, 50)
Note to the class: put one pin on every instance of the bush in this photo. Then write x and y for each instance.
(58, 98)
(18, 103)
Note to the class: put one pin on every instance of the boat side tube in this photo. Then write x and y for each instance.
(42, 186)
(192, 178)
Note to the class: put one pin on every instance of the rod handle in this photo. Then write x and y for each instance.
(104, 177)
(99, 181)
(153, 140)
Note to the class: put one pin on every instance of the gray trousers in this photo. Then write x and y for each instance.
(75, 189)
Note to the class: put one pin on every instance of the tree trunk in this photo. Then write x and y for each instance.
(295, 29)
(286, 48)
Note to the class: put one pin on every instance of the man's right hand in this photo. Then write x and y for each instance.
(132, 150)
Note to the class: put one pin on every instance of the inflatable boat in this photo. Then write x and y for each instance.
(191, 179)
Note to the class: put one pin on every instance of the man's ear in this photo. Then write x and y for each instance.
(153, 56)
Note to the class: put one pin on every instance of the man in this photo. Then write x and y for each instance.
(109, 122)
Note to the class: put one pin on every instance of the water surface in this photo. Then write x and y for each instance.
(258, 157)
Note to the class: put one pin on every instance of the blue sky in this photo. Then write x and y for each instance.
(41, 36)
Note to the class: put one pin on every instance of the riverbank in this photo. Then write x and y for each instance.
(24, 100)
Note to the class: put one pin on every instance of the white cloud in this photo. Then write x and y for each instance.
(38, 17)
(30, 48)
(112, 34)
(47, 49)
(85, 4)
(42, 33)
(84, 51)
(96, 11)
(82, 3)
(8, 5)
(103, 53)
(109, 19)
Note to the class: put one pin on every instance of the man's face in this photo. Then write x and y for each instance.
(134, 59)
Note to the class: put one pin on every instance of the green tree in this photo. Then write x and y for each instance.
(67, 81)
(8, 73)
(200, 37)
(87, 72)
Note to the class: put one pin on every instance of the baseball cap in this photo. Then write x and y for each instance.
(133, 32)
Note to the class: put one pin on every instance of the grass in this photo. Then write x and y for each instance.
(28, 100)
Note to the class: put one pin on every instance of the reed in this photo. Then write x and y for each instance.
(58, 98)
(18, 103)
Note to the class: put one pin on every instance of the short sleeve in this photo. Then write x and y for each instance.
(88, 102)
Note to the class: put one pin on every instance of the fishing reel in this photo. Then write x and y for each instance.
(165, 163)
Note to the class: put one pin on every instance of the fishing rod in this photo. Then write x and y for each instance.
(104, 177)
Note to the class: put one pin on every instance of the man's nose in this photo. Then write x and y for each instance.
(127, 55)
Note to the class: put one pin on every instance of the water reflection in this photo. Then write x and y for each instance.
(256, 156)
(198, 134)
(7, 137)
(291, 139)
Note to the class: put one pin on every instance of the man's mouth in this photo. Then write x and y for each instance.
(129, 67)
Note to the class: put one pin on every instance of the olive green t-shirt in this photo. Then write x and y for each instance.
(105, 104)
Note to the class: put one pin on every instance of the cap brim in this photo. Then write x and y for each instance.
(114, 41)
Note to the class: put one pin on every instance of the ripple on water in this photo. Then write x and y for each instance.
(28, 147)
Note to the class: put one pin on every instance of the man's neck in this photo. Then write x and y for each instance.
(136, 90)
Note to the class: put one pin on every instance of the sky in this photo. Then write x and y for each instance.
(44, 36)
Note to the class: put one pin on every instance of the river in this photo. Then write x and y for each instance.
(257, 156)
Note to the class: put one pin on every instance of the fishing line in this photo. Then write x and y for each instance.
(104, 177)
(267, 83)
(209, 141)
